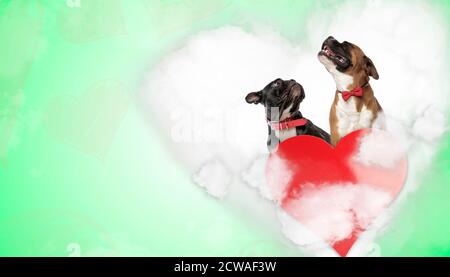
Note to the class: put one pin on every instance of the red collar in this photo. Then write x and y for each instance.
(358, 92)
(287, 123)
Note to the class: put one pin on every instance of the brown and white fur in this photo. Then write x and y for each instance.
(350, 68)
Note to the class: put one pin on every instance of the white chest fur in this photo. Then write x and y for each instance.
(348, 117)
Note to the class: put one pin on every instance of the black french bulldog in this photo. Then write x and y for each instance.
(282, 99)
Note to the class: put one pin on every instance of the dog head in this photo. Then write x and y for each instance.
(347, 63)
(280, 98)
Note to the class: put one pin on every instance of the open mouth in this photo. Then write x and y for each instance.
(332, 55)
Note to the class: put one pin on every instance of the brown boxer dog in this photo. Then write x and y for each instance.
(355, 106)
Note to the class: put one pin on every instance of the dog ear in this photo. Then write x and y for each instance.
(370, 68)
(254, 97)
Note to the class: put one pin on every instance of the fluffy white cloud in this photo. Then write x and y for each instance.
(334, 211)
(214, 177)
(255, 176)
(381, 149)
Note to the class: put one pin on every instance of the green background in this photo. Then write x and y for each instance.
(83, 173)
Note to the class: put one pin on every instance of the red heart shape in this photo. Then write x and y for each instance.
(331, 191)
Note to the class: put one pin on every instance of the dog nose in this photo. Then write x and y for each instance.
(330, 37)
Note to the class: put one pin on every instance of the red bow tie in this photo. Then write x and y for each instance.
(358, 92)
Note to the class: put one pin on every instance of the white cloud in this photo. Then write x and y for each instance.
(381, 149)
(334, 211)
(302, 236)
(271, 186)
(255, 176)
(430, 126)
(214, 177)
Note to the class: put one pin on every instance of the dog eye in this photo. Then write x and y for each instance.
(277, 83)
